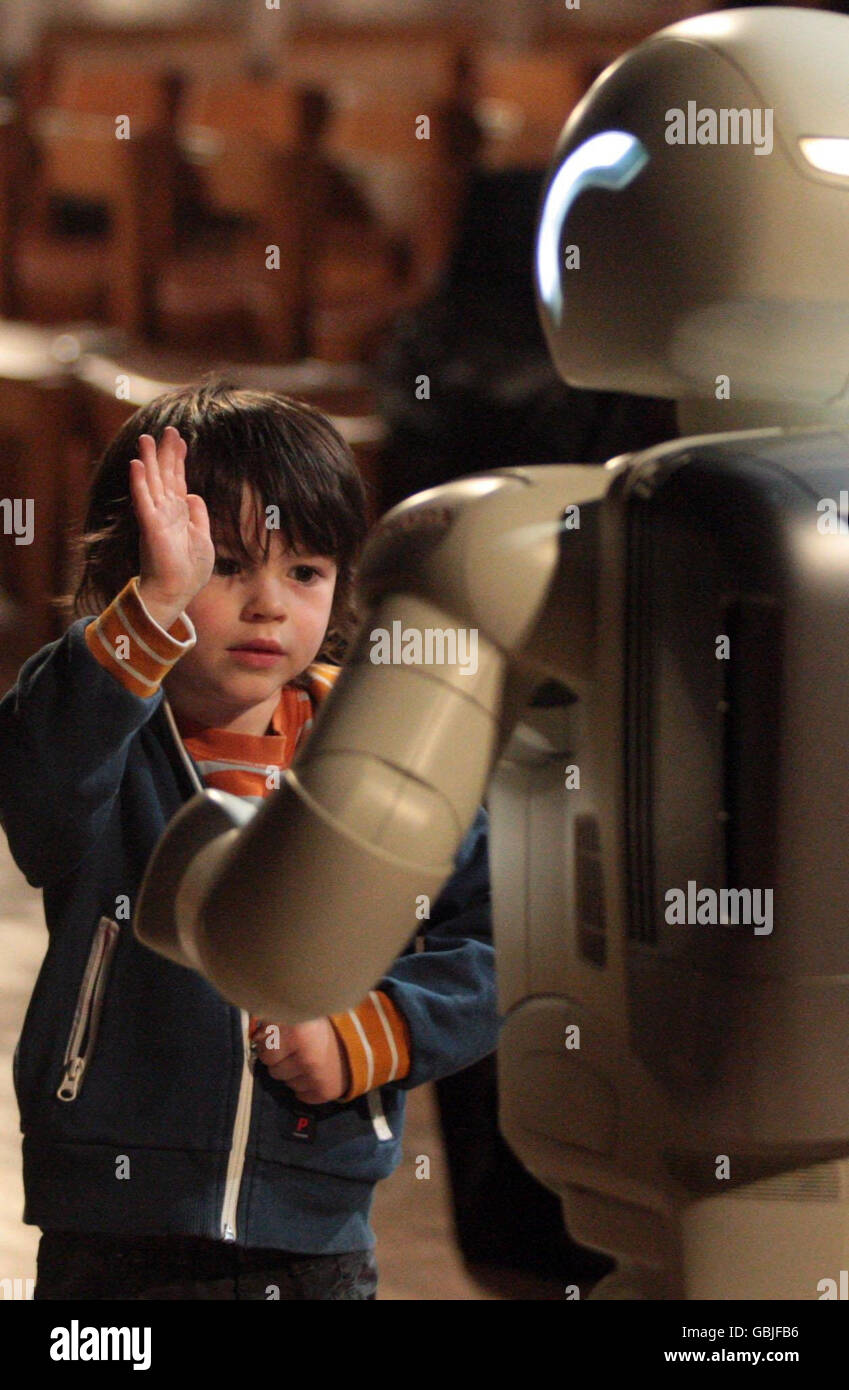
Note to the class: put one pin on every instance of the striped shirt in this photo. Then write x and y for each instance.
(130, 644)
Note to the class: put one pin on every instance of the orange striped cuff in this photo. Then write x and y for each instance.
(377, 1043)
(131, 644)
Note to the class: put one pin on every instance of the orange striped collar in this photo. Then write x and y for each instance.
(292, 716)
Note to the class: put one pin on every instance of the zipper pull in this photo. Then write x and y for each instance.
(72, 1079)
(251, 1047)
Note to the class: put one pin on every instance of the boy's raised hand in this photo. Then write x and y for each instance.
(176, 552)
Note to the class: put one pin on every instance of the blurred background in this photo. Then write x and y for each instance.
(335, 199)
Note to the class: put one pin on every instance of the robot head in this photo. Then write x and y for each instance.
(692, 238)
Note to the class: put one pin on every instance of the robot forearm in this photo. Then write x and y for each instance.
(300, 913)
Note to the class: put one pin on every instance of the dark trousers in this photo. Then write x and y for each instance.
(503, 1216)
(72, 1265)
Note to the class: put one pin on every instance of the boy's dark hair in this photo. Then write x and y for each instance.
(288, 454)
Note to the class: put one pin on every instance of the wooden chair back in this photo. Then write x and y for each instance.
(522, 101)
(248, 140)
(401, 153)
(107, 138)
(398, 61)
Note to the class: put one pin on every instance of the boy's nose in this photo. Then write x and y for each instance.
(266, 596)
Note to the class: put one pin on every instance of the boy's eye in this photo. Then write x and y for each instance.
(224, 565)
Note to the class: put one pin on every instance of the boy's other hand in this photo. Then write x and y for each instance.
(309, 1057)
(176, 553)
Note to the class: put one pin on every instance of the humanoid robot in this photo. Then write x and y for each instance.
(658, 706)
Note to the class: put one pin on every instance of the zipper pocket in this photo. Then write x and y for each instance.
(83, 1035)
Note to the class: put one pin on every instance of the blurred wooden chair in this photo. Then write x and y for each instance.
(100, 213)
(42, 445)
(251, 145)
(406, 159)
(349, 64)
(13, 168)
(522, 100)
(114, 385)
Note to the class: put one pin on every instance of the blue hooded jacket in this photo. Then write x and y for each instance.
(129, 1068)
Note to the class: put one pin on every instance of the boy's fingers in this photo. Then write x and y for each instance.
(139, 489)
(310, 1096)
(275, 1054)
(278, 1031)
(197, 511)
(147, 453)
(168, 455)
(286, 1068)
(283, 1055)
(180, 458)
(165, 453)
(296, 1079)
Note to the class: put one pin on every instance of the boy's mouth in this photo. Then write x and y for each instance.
(258, 653)
(259, 645)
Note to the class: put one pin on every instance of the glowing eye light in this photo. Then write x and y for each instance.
(610, 160)
(831, 156)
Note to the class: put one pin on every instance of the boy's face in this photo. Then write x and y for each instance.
(285, 600)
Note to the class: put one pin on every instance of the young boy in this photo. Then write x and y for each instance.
(173, 1148)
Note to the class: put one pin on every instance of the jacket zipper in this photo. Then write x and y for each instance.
(239, 1142)
(242, 1122)
(83, 1035)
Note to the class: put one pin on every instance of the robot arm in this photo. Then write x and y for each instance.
(295, 910)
